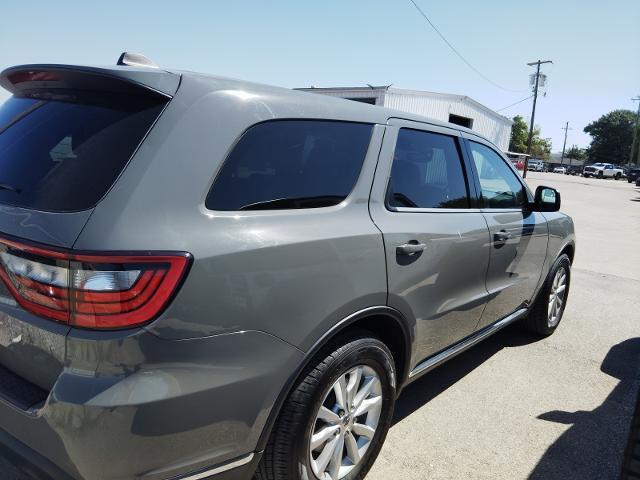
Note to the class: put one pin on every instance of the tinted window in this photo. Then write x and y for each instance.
(427, 172)
(63, 155)
(500, 186)
(291, 164)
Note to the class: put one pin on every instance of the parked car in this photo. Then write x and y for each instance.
(562, 170)
(602, 170)
(535, 165)
(633, 174)
(205, 277)
(573, 170)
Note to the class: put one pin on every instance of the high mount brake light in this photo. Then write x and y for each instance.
(91, 291)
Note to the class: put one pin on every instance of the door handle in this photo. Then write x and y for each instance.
(501, 236)
(410, 248)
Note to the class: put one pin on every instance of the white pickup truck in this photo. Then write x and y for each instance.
(602, 170)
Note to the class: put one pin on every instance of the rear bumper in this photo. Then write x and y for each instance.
(146, 408)
(28, 460)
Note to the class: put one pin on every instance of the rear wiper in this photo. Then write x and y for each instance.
(11, 188)
(300, 202)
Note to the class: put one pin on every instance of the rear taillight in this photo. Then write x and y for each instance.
(91, 291)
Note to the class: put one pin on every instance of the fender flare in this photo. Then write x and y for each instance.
(319, 344)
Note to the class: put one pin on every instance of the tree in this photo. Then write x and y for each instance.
(612, 135)
(519, 135)
(576, 153)
(540, 147)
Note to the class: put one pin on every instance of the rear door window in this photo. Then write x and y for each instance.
(291, 164)
(62, 152)
(427, 172)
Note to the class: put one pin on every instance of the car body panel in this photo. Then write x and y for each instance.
(245, 262)
(155, 404)
(442, 289)
(202, 384)
(516, 264)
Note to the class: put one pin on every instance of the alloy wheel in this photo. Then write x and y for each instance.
(345, 423)
(557, 297)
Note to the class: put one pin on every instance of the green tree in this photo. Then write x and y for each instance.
(540, 147)
(611, 135)
(575, 153)
(519, 135)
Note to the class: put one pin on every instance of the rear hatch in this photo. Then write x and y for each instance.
(66, 134)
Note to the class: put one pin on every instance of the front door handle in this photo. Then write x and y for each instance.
(501, 236)
(410, 248)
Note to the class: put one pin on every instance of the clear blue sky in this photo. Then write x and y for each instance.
(595, 46)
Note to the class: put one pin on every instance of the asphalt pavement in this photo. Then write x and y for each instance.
(517, 407)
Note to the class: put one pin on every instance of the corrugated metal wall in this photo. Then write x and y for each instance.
(438, 106)
(349, 93)
(432, 105)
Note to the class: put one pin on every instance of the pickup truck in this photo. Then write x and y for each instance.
(602, 170)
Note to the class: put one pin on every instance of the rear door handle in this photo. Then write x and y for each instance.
(410, 248)
(501, 236)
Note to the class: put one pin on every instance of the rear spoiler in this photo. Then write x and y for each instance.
(120, 79)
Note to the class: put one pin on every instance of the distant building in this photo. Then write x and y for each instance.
(556, 158)
(458, 109)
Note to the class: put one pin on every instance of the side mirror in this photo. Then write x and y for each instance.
(547, 199)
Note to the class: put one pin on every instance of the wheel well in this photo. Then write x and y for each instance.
(387, 327)
(388, 330)
(569, 250)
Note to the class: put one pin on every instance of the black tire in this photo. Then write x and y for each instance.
(618, 176)
(600, 174)
(538, 319)
(287, 455)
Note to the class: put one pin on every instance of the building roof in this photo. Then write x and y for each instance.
(382, 89)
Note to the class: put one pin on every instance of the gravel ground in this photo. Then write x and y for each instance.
(518, 407)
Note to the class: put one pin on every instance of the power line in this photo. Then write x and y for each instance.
(424, 15)
(514, 104)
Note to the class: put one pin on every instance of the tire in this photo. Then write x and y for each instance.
(540, 320)
(600, 174)
(618, 176)
(288, 455)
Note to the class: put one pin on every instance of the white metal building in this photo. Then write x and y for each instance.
(458, 109)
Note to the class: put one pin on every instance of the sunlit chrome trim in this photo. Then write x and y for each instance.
(222, 468)
(432, 362)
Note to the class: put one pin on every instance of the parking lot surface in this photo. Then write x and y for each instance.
(518, 407)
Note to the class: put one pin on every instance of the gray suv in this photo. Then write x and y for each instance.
(208, 278)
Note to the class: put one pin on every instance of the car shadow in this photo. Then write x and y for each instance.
(432, 384)
(593, 447)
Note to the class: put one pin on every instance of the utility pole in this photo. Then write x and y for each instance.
(635, 134)
(533, 112)
(564, 145)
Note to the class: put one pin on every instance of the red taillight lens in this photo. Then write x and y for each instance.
(91, 291)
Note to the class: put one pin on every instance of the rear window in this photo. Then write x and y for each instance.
(289, 164)
(62, 152)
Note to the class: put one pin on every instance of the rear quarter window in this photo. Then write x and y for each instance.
(62, 152)
(291, 164)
